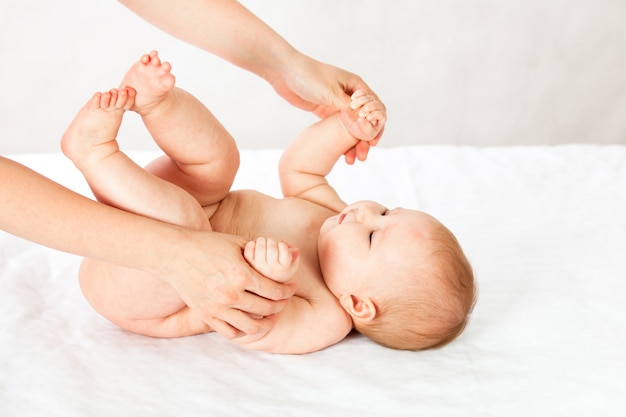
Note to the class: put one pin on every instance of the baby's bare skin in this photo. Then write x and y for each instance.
(360, 265)
(144, 304)
(97, 125)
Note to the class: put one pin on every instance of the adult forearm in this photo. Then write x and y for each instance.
(40, 210)
(206, 269)
(222, 27)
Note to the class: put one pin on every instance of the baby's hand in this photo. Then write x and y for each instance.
(367, 118)
(276, 260)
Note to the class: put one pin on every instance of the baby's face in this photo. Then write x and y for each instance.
(362, 244)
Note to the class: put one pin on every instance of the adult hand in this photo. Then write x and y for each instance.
(229, 30)
(207, 269)
(210, 274)
(322, 89)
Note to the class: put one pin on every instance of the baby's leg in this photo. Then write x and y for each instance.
(132, 299)
(201, 156)
(90, 142)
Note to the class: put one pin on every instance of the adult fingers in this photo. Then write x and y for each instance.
(362, 149)
(350, 155)
(268, 288)
(239, 324)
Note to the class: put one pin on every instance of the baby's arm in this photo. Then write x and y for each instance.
(312, 155)
(306, 324)
(303, 326)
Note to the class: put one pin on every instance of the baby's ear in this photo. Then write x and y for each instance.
(360, 308)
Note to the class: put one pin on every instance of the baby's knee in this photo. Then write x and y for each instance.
(220, 172)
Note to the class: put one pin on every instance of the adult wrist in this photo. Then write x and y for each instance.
(279, 63)
(162, 258)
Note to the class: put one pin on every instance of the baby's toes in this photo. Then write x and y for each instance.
(129, 98)
(153, 58)
(108, 99)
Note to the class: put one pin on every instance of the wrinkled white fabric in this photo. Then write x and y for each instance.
(544, 227)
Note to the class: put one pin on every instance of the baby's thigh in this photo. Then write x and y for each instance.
(123, 294)
(208, 182)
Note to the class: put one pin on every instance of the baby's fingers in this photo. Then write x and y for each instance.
(376, 117)
(361, 100)
(261, 250)
(270, 247)
(359, 93)
(369, 107)
(287, 254)
(248, 251)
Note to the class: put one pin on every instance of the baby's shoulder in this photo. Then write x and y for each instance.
(312, 287)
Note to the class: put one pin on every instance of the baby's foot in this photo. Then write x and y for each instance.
(152, 80)
(91, 135)
(276, 260)
(367, 118)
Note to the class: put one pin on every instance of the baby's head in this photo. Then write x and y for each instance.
(400, 274)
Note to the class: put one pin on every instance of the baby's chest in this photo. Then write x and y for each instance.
(252, 214)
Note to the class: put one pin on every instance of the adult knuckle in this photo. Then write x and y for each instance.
(265, 309)
(229, 334)
(227, 296)
(254, 327)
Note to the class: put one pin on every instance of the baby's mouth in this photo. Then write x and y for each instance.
(341, 217)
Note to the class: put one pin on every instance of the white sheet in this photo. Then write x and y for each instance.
(545, 229)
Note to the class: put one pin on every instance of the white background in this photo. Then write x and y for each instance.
(478, 72)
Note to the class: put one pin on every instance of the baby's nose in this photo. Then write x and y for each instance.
(363, 214)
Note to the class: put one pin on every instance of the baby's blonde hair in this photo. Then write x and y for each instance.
(432, 306)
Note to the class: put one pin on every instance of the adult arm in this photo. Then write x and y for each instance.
(207, 269)
(227, 29)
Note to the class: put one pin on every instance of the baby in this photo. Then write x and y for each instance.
(397, 276)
